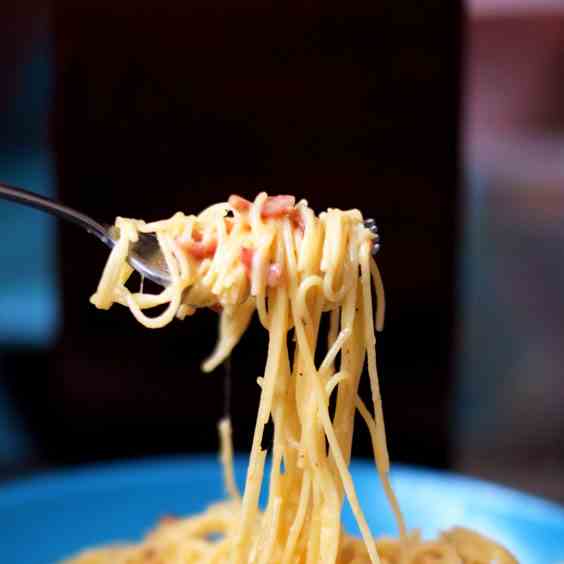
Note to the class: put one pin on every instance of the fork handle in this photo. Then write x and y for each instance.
(27, 198)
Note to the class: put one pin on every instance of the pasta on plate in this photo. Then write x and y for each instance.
(277, 258)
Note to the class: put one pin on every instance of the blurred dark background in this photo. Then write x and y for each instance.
(157, 109)
(177, 108)
(141, 110)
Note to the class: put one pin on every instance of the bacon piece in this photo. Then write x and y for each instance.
(238, 203)
(274, 275)
(277, 206)
(247, 259)
(297, 220)
(229, 224)
(168, 519)
(198, 249)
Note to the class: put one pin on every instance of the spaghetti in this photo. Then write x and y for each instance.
(278, 258)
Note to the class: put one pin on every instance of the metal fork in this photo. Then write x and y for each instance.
(145, 255)
(370, 224)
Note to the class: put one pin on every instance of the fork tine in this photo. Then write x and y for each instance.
(371, 225)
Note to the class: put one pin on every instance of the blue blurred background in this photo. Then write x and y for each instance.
(504, 411)
(28, 281)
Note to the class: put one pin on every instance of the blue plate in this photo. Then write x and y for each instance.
(47, 518)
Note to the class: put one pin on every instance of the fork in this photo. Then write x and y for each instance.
(145, 255)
